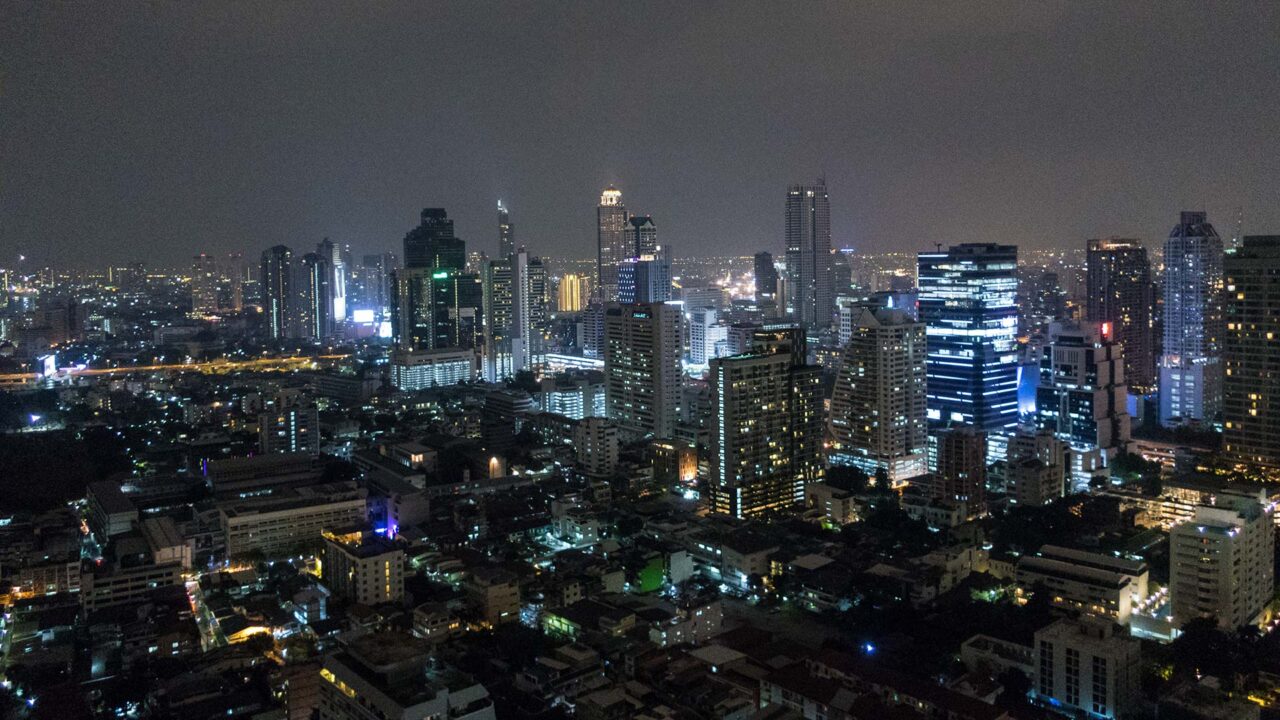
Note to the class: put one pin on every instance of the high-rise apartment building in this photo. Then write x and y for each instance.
(433, 245)
(499, 319)
(340, 265)
(506, 233)
(1251, 354)
(1120, 292)
(290, 425)
(205, 277)
(613, 243)
(967, 301)
(277, 292)
(808, 242)
(1082, 397)
(314, 297)
(642, 368)
(1191, 367)
(1222, 561)
(878, 407)
(767, 426)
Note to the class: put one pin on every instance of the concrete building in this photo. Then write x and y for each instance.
(1222, 561)
(363, 567)
(1087, 666)
(1093, 583)
(413, 370)
(1120, 292)
(292, 426)
(595, 442)
(642, 368)
(1251, 388)
(494, 593)
(613, 244)
(389, 676)
(766, 435)
(961, 472)
(1082, 397)
(282, 523)
(878, 408)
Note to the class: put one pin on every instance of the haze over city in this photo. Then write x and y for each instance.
(158, 131)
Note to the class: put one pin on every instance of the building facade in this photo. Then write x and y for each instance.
(1191, 366)
(1251, 354)
(808, 243)
(642, 368)
(1120, 292)
(967, 301)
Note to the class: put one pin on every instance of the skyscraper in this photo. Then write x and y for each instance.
(506, 233)
(437, 309)
(204, 284)
(1191, 369)
(878, 407)
(642, 368)
(766, 277)
(572, 293)
(967, 303)
(339, 259)
(1120, 292)
(645, 278)
(1251, 388)
(277, 292)
(315, 297)
(766, 434)
(808, 238)
(499, 319)
(433, 245)
(1082, 397)
(612, 243)
(644, 235)
(531, 317)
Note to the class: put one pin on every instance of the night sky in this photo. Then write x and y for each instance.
(153, 131)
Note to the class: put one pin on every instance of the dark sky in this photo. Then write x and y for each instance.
(153, 131)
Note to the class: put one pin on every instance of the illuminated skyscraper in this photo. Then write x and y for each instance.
(437, 309)
(572, 294)
(808, 238)
(1191, 367)
(315, 297)
(878, 407)
(277, 292)
(767, 426)
(642, 368)
(506, 233)
(645, 279)
(433, 245)
(339, 259)
(1120, 292)
(499, 320)
(967, 303)
(1251, 388)
(613, 245)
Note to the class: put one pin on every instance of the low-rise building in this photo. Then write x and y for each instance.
(1087, 666)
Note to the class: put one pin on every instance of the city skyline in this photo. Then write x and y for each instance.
(216, 123)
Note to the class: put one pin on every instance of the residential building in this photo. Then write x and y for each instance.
(642, 368)
(767, 426)
(1119, 291)
(1222, 561)
(878, 407)
(1251, 354)
(1082, 397)
(613, 245)
(363, 567)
